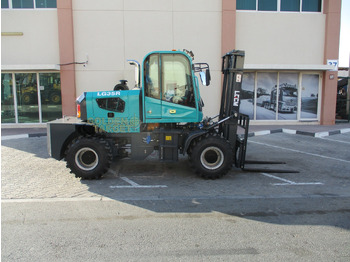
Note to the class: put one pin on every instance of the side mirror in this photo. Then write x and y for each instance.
(205, 77)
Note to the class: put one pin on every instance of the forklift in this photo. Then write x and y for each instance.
(163, 113)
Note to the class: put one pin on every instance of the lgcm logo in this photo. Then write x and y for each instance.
(236, 99)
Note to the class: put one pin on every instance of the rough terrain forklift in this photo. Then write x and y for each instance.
(162, 112)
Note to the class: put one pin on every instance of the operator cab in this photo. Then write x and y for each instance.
(170, 89)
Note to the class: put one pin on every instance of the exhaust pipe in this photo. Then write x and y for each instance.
(137, 72)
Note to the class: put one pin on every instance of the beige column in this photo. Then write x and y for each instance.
(332, 10)
(66, 47)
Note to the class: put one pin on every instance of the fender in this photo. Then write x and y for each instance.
(61, 132)
(192, 136)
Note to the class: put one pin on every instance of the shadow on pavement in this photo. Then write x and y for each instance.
(238, 194)
(33, 145)
(187, 193)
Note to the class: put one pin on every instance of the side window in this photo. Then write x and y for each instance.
(28, 4)
(151, 75)
(115, 104)
(4, 3)
(45, 3)
(290, 5)
(267, 5)
(246, 4)
(177, 86)
(22, 4)
(312, 6)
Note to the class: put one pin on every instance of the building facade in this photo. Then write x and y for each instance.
(53, 51)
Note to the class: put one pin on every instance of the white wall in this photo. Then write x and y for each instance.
(112, 31)
(39, 43)
(281, 38)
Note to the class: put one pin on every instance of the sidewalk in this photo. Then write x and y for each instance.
(309, 130)
(254, 130)
(22, 132)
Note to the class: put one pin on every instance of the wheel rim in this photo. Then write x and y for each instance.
(86, 159)
(26, 98)
(212, 158)
(55, 98)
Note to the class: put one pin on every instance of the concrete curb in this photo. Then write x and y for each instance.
(22, 136)
(296, 132)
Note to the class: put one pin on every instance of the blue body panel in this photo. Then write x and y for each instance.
(119, 111)
(125, 118)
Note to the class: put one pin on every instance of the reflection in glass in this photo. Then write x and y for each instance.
(7, 100)
(266, 96)
(247, 95)
(50, 93)
(288, 96)
(27, 98)
(177, 84)
(309, 96)
(152, 76)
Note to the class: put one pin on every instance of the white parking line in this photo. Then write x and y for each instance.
(135, 185)
(289, 182)
(333, 140)
(302, 152)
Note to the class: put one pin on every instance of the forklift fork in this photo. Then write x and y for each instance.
(241, 149)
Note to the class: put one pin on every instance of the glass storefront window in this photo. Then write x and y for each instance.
(50, 94)
(280, 96)
(27, 98)
(7, 101)
(309, 96)
(247, 95)
(26, 101)
(266, 96)
(288, 96)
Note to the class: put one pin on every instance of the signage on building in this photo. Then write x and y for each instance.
(333, 63)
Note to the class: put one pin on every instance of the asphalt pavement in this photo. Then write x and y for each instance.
(153, 211)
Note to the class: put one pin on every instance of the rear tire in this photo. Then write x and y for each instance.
(212, 157)
(89, 157)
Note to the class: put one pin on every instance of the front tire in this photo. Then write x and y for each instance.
(212, 157)
(89, 157)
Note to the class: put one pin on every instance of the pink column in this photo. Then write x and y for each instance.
(332, 9)
(228, 37)
(66, 47)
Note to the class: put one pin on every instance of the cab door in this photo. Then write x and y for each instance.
(169, 95)
(178, 97)
(152, 88)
